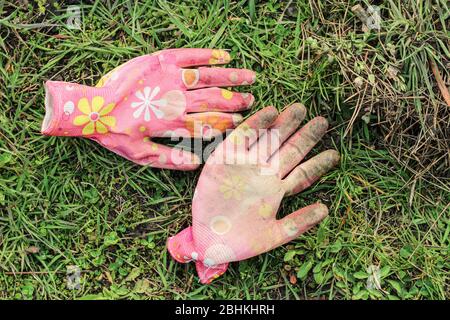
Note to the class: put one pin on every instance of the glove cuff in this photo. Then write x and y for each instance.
(182, 248)
(62, 107)
(54, 108)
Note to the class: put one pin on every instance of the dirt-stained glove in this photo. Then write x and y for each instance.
(241, 187)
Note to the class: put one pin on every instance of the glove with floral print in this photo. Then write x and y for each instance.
(241, 186)
(155, 95)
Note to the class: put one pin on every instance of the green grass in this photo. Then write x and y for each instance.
(68, 201)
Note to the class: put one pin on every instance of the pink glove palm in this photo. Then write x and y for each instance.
(151, 96)
(241, 186)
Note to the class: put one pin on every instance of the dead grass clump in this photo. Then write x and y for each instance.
(394, 71)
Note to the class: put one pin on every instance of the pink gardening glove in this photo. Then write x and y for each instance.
(151, 96)
(241, 186)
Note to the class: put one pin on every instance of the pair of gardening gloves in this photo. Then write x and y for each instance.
(243, 181)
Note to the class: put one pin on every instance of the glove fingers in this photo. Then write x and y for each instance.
(298, 222)
(283, 127)
(308, 172)
(249, 131)
(210, 124)
(217, 99)
(182, 248)
(208, 274)
(191, 57)
(216, 77)
(298, 145)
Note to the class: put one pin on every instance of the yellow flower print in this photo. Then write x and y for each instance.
(238, 136)
(95, 116)
(228, 95)
(265, 210)
(232, 188)
(102, 81)
(110, 75)
(219, 56)
(257, 246)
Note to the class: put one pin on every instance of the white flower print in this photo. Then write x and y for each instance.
(147, 103)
